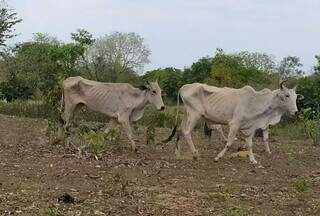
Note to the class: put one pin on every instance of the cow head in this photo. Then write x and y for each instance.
(287, 99)
(154, 95)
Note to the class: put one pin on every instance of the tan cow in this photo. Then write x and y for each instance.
(120, 101)
(243, 109)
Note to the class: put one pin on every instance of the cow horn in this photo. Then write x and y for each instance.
(281, 83)
(300, 96)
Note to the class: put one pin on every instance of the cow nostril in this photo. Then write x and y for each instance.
(163, 107)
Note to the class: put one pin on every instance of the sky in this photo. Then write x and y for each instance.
(179, 32)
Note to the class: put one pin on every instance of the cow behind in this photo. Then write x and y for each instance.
(243, 109)
(120, 101)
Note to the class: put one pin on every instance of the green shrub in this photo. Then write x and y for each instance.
(150, 134)
(236, 211)
(95, 141)
(301, 185)
(32, 109)
(50, 212)
(291, 129)
(311, 120)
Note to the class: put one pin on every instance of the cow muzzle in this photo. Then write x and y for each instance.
(293, 113)
(162, 108)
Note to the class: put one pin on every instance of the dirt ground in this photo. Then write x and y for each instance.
(34, 174)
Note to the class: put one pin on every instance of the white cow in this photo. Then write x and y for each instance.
(243, 109)
(258, 133)
(120, 101)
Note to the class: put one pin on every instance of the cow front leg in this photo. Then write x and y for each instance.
(189, 125)
(113, 124)
(250, 144)
(266, 140)
(126, 125)
(231, 136)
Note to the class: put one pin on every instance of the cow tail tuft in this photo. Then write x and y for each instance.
(207, 130)
(174, 130)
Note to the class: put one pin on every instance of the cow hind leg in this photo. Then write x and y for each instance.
(220, 130)
(187, 128)
(266, 140)
(124, 121)
(232, 134)
(68, 115)
(65, 121)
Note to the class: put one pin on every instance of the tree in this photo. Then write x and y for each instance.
(199, 71)
(41, 65)
(317, 67)
(44, 38)
(83, 37)
(234, 70)
(290, 67)
(260, 61)
(115, 54)
(170, 80)
(8, 19)
(309, 87)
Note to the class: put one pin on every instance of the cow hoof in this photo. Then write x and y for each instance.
(134, 149)
(178, 154)
(178, 157)
(195, 157)
(253, 161)
(269, 152)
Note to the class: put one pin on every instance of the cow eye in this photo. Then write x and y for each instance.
(154, 92)
(287, 95)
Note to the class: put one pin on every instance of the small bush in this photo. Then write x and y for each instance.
(50, 212)
(153, 119)
(150, 133)
(166, 118)
(236, 211)
(293, 130)
(301, 185)
(311, 120)
(32, 109)
(95, 142)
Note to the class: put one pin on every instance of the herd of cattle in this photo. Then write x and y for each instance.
(244, 109)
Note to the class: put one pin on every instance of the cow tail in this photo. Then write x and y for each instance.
(207, 130)
(174, 130)
(61, 120)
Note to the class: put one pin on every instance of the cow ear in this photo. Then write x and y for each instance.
(300, 96)
(143, 87)
(295, 88)
(282, 86)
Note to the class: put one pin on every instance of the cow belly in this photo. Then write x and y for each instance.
(109, 105)
(219, 115)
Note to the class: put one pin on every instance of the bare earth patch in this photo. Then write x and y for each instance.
(34, 174)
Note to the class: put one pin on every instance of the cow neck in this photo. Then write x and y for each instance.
(142, 101)
(272, 108)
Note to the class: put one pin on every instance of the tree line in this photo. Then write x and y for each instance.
(35, 69)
